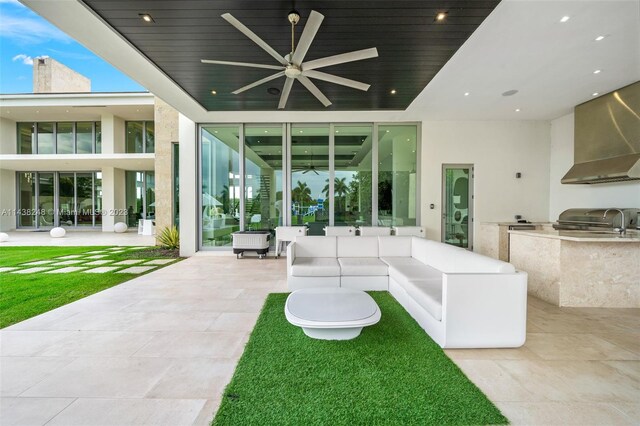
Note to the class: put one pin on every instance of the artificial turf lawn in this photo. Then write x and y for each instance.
(392, 374)
(23, 296)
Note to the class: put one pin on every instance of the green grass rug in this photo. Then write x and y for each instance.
(393, 373)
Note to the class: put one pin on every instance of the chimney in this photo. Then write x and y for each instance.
(50, 76)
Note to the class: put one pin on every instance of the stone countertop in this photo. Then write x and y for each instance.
(582, 236)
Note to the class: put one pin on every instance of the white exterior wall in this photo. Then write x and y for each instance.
(497, 150)
(8, 136)
(188, 186)
(113, 197)
(564, 196)
(7, 200)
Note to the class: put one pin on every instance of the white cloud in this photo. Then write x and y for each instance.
(27, 60)
(30, 30)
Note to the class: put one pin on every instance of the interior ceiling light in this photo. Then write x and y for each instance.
(146, 17)
(597, 71)
(213, 92)
(595, 94)
(441, 16)
(565, 18)
(466, 93)
(517, 109)
(393, 91)
(510, 92)
(599, 38)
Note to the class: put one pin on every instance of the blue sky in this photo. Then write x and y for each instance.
(24, 36)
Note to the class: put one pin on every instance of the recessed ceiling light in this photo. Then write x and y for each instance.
(266, 131)
(517, 109)
(466, 93)
(510, 92)
(273, 91)
(387, 131)
(300, 131)
(565, 18)
(595, 94)
(408, 140)
(393, 91)
(213, 92)
(600, 38)
(146, 17)
(66, 110)
(337, 131)
(441, 16)
(597, 71)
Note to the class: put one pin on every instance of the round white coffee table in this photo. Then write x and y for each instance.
(331, 313)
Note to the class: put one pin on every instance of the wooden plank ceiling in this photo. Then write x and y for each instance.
(412, 46)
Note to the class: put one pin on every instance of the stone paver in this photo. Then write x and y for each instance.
(66, 270)
(101, 270)
(159, 261)
(98, 262)
(97, 256)
(96, 252)
(31, 270)
(71, 256)
(67, 262)
(38, 262)
(136, 270)
(130, 262)
(8, 268)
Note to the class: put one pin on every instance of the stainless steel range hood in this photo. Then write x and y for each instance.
(607, 138)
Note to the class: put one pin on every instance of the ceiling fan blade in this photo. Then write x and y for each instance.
(285, 93)
(259, 82)
(316, 172)
(257, 40)
(241, 64)
(336, 80)
(357, 55)
(314, 90)
(308, 34)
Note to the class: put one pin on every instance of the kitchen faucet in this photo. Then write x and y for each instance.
(622, 230)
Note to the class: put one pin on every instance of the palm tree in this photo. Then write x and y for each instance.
(301, 193)
(340, 189)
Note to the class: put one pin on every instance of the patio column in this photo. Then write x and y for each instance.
(189, 227)
(113, 198)
(112, 134)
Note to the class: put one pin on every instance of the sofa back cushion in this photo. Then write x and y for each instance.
(315, 246)
(451, 259)
(357, 247)
(394, 246)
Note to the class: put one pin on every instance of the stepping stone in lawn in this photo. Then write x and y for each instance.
(65, 270)
(98, 262)
(101, 270)
(71, 256)
(96, 252)
(139, 248)
(130, 262)
(135, 270)
(159, 261)
(7, 269)
(97, 256)
(67, 262)
(116, 249)
(31, 270)
(39, 262)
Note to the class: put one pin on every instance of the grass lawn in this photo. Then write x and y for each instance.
(392, 374)
(24, 296)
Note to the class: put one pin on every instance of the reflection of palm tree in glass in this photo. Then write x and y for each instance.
(301, 193)
(340, 190)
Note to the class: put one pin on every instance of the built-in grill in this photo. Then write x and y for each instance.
(597, 219)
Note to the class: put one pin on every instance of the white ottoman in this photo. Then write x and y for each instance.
(57, 232)
(4, 237)
(120, 227)
(333, 313)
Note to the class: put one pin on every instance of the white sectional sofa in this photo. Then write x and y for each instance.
(460, 298)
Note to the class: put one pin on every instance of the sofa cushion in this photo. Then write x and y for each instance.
(451, 259)
(315, 267)
(357, 247)
(362, 266)
(404, 270)
(428, 294)
(394, 246)
(315, 246)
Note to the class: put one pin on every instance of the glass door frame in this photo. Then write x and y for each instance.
(471, 202)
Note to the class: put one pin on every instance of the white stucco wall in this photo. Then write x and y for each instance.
(8, 136)
(562, 197)
(498, 150)
(188, 187)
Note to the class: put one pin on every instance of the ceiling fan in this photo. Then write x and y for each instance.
(310, 167)
(292, 66)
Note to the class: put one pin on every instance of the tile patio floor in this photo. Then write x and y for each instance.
(159, 349)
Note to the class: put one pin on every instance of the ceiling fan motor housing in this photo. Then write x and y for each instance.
(293, 17)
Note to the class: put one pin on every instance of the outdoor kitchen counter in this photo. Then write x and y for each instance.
(579, 269)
